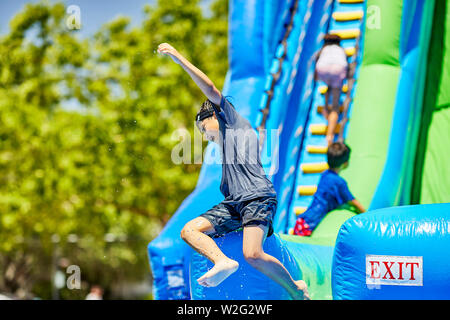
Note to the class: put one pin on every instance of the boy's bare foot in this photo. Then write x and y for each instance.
(302, 293)
(221, 270)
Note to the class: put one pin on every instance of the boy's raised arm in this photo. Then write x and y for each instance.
(357, 205)
(202, 81)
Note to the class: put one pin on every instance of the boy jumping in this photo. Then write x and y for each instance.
(250, 199)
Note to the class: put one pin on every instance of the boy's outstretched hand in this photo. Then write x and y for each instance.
(200, 79)
(167, 49)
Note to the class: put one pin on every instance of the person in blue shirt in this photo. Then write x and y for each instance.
(250, 199)
(331, 193)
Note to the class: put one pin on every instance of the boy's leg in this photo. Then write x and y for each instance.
(325, 111)
(195, 233)
(336, 98)
(332, 123)
(334, 115)
(254, 237)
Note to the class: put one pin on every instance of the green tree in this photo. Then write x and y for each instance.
(103, 167)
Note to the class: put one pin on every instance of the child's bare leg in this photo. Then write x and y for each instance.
(336, 98)
(332, 123)
(254, 237)
(194, 235)
(333, 116)
(325, 112)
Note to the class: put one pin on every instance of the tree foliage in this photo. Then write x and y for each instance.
(86, 137)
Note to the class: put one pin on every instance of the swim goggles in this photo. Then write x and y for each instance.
(204, 114)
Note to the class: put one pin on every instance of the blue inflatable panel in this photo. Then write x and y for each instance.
(246, 283)
(394, 253)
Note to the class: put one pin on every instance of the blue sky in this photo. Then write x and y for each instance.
(94, 13)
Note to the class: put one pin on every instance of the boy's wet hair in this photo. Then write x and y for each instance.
(330, 39)
(206, 111)
(338, 153)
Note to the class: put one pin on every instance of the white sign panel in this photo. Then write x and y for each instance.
(394, 270)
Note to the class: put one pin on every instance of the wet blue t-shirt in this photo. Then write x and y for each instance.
(243, 177)
(332, 192)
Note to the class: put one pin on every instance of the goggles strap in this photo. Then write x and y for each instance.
(204, 114)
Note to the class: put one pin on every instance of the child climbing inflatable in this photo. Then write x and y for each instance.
(331, 67)
(331, 193)
(250, 199)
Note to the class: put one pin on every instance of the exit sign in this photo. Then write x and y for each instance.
(394, 270)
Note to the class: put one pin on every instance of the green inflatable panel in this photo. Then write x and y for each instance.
(435, 180)
(436, 174)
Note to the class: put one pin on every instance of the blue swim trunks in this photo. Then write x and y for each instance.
(231, 215)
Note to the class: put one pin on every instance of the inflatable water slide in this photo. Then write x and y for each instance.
(395, 117)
